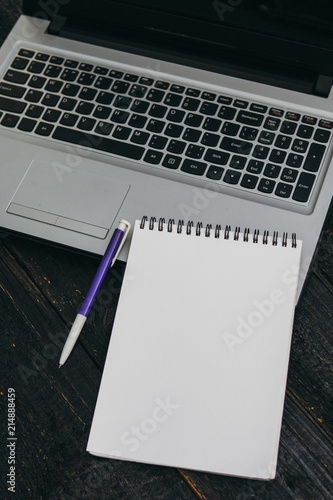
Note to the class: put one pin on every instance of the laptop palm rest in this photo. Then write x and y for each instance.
(68, 198)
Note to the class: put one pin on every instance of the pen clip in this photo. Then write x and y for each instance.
(127, 230)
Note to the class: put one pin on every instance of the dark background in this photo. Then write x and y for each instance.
(41, 288)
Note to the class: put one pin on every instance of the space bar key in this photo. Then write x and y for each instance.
(99, 143)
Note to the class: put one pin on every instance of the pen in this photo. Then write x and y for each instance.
(118, 238)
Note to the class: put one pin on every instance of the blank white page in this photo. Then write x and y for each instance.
(196, 369)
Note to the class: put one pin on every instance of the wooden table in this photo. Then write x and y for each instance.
(41, 288)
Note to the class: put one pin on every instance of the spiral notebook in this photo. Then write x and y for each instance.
(196, 370)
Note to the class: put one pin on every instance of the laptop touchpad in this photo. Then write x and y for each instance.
(68, 198)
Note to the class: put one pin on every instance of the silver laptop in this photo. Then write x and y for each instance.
(218, 112)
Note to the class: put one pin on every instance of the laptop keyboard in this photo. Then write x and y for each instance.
(246, 145)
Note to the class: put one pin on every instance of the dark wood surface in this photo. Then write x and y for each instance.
(41, 288)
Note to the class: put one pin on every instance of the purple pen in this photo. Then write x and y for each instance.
(110, 256)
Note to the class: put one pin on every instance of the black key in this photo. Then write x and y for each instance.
(53, 86)
(50, 100)
(277, 156)
(255, 166)
(34, 111)
(293, 116)
(158, 142)
(238, 162)
(69, 119)
(100, 70)
(42, 57)
(282, 141)
(69, 63)
(103, 128)
(153, 157)
(139, 106)
(84, 108)
(33, 95)
(51, 115)
(26, 53)
(226, 112)
(276, 112)
(131, 78)
(36, 67)
(212, 124)
(157, 111)
(289, 175)
(70, 89)
(52, 71)
(300, 146)
(305, 131)
(104, 97)
(102, 112)
(193, 120)
(171, 161)
(215, 173)
(248, 133)
(16, 76)
(193, 167)
(208, 108)
(138, 91)
(176, 147)
(210, 140)
(266, 186)
(20, 63)
(266, 137)
(119, 116)
(326, 124)
(224, 99)
(56, 60)
(88, 94)
(162, 85)
(16, 91)
(67, 104)
(314, 157)
(249, 181)
(239, 103)
(218, 157)
(139, 137)
(230, 129)
(283, 190)
(9, 120)
(44, 129)
(249, 118)
(145, 81)
(193, 92)
(173, 100)
(86, 123)
(11, 105)
(155, 126)
(173, 130)
(294, 160)
(36, 82)
(155, 95)
(190, 104)
(288, 127)
(194, 151)
(104, 83)
(322, 135)
(209, 96)
(259, 108)
(69, 75)
(179, 89)
(272, 171)
(231, 177)
(303, 187)
(137, 121)
(192, 135)
(272, 123)
(27, 125)
(102, 144)
(121, 132)
(309, 120)
(86, 79)
(236, 146)
(122, 102)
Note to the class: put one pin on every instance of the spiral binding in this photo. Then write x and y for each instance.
(217, 232)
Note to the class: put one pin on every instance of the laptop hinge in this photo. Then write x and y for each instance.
(323, 85)
(56, 25)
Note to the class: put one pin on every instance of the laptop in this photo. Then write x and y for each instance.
(218, 112)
